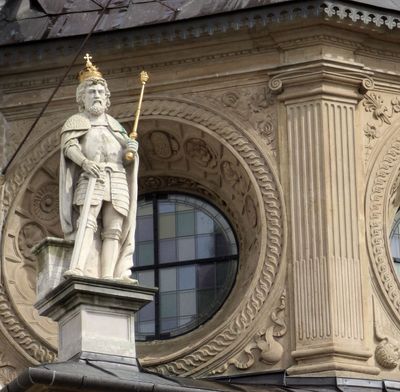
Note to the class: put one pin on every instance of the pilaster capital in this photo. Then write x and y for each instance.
(321, 78)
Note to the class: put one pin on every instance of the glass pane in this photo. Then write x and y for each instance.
(205, 301)
(166, 226)
(222, 246)
(205, 276)
(146, 278)
(144, 253)
(145, 209)
(165, 206)
(167, 279)
(185, 223)
(204, 224)
(187, 303)
(205, 246)
(167, 251)
(168, 324)
(168, 304)
(224, 272)
(146, 327)
(187, 277)
(144, 228)
(182, 321)
(186, 248)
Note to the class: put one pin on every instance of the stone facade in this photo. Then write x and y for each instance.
(291, 129)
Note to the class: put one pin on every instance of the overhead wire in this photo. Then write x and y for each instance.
(101, 14)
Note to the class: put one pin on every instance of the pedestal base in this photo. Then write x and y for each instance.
(53, 258)
(95, 317)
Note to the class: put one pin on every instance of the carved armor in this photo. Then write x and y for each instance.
(112, 185)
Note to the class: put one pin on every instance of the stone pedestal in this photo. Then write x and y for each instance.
(95, 318)
(53, 258)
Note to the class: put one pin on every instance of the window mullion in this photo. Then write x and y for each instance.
(156, 269)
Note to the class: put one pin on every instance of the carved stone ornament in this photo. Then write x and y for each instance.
(387, 352)
(382, 115)
(381, 191)
(255, 105)
(200, 357)
(264, 343)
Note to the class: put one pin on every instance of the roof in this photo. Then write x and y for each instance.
(107, 376)
(102, 376)
(25, 20)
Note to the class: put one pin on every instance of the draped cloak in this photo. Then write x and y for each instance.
(76, 127)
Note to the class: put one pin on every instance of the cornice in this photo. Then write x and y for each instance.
(343, 80)
(125, 71)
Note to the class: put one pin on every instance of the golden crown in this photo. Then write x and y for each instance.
(90, 70)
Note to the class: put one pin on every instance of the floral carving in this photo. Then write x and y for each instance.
(254, 105)
(375, 104)
(264, 342)
(45, 203)
(371, 133)
(162, 145)
(201, 153)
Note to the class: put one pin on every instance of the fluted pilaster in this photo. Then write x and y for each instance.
(320, 104)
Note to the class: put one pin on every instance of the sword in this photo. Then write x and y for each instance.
(83, 219)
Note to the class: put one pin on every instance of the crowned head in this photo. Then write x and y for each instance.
(92, 94)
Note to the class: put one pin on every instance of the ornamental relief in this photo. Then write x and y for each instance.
(254, 105)
(264, 347)
(382, 202)
(381, 111)
(30, 204)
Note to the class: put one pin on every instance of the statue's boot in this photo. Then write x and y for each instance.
(110, 253)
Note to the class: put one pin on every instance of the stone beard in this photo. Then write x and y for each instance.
(93, 145)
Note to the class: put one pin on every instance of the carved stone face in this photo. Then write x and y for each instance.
(95, 99)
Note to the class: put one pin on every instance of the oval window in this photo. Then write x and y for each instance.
(187, 248)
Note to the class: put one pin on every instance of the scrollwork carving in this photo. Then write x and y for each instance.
(264, 343)
(20, 334)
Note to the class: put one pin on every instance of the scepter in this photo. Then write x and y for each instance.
(144, 77)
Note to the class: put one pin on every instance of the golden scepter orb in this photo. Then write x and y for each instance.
(144, 77)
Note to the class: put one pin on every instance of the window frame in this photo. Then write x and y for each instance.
(154, 197)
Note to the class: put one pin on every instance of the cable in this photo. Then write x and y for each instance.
(4, 171)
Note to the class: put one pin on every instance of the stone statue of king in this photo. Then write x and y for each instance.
(98, 184)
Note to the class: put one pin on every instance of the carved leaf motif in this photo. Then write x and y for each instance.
(375, 104)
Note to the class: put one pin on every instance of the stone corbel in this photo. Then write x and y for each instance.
(321, 77)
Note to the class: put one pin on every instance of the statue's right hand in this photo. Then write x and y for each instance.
(91, 167)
